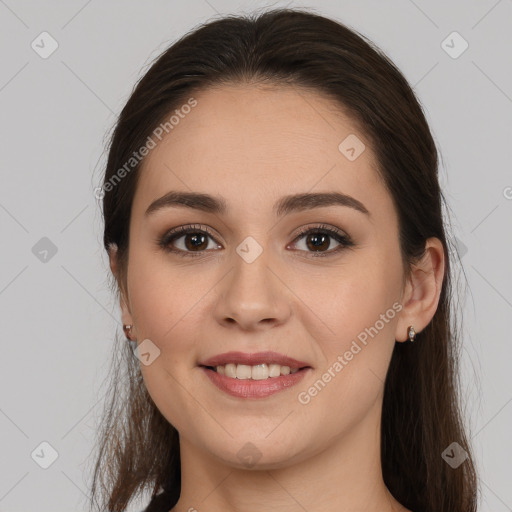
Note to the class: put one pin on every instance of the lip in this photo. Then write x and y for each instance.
(248, 388)
(253, 359)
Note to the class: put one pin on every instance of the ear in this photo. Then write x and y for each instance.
(422, 290)
(126, 314)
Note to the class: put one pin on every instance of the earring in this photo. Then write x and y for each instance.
(411, 333)
(127, 331)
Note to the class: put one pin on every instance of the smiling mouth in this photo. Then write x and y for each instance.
(256, 372)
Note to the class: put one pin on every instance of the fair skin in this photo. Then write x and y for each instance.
(251, 146)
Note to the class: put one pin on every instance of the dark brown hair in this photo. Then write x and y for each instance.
(138, 448)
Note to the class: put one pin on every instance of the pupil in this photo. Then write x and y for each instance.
(197, 240)
(319, 240)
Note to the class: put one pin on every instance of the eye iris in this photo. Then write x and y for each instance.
(197, 241)
(318, 240)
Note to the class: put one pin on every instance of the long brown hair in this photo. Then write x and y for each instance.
(137, 448)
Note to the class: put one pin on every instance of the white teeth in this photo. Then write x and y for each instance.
(259, 372)
(243, 371)
(274, 370)
(256, 372)
(229, 370)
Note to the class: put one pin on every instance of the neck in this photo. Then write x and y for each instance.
(346, 475)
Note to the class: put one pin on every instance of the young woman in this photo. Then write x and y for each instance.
(274, 224)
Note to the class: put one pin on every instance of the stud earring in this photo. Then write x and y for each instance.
(411, 333)
(127, 331)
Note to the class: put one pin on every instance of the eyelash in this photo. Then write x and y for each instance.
(165, 241)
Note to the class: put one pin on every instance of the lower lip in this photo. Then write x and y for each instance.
(249, 388)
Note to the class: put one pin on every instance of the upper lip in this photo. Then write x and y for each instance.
(253, 359)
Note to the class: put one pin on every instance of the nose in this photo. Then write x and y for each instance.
(253, 296)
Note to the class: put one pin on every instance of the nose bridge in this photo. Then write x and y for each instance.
(252, 293)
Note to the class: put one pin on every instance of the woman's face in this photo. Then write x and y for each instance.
(256, 284)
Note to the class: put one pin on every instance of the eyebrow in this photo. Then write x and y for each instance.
(284, 206)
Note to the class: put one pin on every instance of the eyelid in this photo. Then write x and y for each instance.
(321, 228)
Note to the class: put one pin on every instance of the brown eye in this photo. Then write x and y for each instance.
(195, 242)
(319, 241)
(188, 239)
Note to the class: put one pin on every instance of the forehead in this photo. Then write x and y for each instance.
(252, 142)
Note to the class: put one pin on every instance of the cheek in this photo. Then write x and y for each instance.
(361, 314)
(357, 314)
(160, 295)
(346, 301)
(167, 309)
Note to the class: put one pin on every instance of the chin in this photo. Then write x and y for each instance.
(257, 453)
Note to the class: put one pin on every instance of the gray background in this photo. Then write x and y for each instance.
(58, 316)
